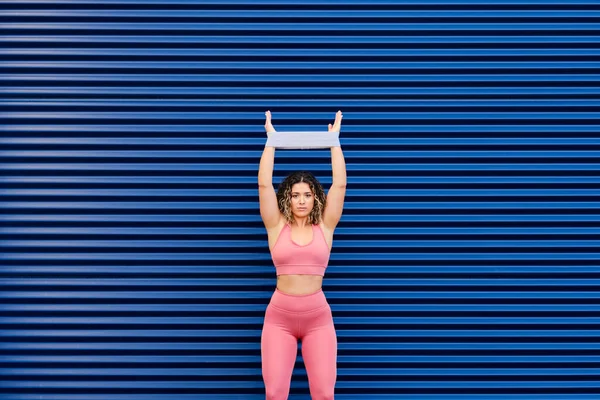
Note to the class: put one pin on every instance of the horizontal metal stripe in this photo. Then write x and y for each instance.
(350, 79)
(321, 27)
(313, 103)
(133, 283)
(346, 270)
(344, 371)
(210, 91)
(315, 167)
(377, 396)
(313, 2)
(62, 40)
(240, 154)
(367, 360)
(245, 141)
(340, 65)
(346, 346)
(375, 180)
(237, 205)
(236, 129)
(358, 231)
(470, 244)
(380, 294)
(370, 256)
(330, 14)
(191, 116)
(356, 384)
(339, 270)
(229, 319)
(91, 322)
(190, 218)
(233, 193)
(254, 333)
(355, 308)
(333, 52)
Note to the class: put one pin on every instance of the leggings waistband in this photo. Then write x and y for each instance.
(298, 303)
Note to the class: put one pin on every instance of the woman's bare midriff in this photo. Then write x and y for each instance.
(299, 285)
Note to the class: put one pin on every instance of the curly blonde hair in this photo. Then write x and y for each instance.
(284, 196)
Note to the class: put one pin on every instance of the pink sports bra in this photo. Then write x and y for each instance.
(293, 259)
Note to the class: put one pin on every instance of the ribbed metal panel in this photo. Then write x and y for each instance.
(135, 264)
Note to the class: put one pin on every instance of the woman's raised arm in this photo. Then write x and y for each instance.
(269, 209)
(337, 192)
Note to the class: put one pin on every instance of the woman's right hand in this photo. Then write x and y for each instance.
(268, 125)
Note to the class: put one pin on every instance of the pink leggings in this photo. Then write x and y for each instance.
(287, 319)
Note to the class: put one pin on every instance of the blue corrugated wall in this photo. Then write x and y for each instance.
(134, 261)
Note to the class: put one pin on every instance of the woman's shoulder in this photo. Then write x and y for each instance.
(324, 227)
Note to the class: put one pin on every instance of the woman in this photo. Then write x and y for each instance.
(300, 221)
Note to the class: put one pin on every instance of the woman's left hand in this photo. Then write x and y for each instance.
(337, 125)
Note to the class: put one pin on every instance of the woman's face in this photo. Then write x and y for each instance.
(303, 199)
